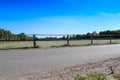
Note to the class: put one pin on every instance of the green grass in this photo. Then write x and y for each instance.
(79, 77)
(92, 76)
(96, 76)
(48, 44)
(116, 76)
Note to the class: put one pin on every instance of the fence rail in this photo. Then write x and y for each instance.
(91, 38)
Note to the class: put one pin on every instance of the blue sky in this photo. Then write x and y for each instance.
(59, 16)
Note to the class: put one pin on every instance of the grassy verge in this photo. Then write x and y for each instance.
(92, 76)
(117, 76)
(97, 76)
(48, 44)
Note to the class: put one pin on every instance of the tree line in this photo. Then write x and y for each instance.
(8, 35)
(115, 34)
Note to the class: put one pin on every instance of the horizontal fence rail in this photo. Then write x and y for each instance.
(57, 37)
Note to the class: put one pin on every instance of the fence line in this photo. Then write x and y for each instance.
(90, 37)
(68, 37)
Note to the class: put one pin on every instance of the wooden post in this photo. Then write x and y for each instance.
(110, 39)
(34, 41)
(68, 40)
(91, 37)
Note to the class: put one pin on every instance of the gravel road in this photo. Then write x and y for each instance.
(22, 62)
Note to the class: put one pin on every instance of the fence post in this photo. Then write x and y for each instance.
(34, 41)
(91, 37)
(68, 40)
(110, 39)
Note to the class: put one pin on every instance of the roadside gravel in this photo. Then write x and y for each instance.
(69, 73)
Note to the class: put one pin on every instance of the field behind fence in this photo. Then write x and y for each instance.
(92, 40)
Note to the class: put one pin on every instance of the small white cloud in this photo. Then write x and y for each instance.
(103, 13)
(109, 14)
(118, 14)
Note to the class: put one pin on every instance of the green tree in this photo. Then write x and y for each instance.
(22, 36)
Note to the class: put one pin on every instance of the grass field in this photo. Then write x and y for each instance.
(48, 44)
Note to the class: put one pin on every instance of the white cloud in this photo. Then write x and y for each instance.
(109, 14)
(103, 13)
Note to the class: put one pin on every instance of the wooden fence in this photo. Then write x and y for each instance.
(91, 38)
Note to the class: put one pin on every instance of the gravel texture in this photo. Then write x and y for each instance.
(69, 73)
